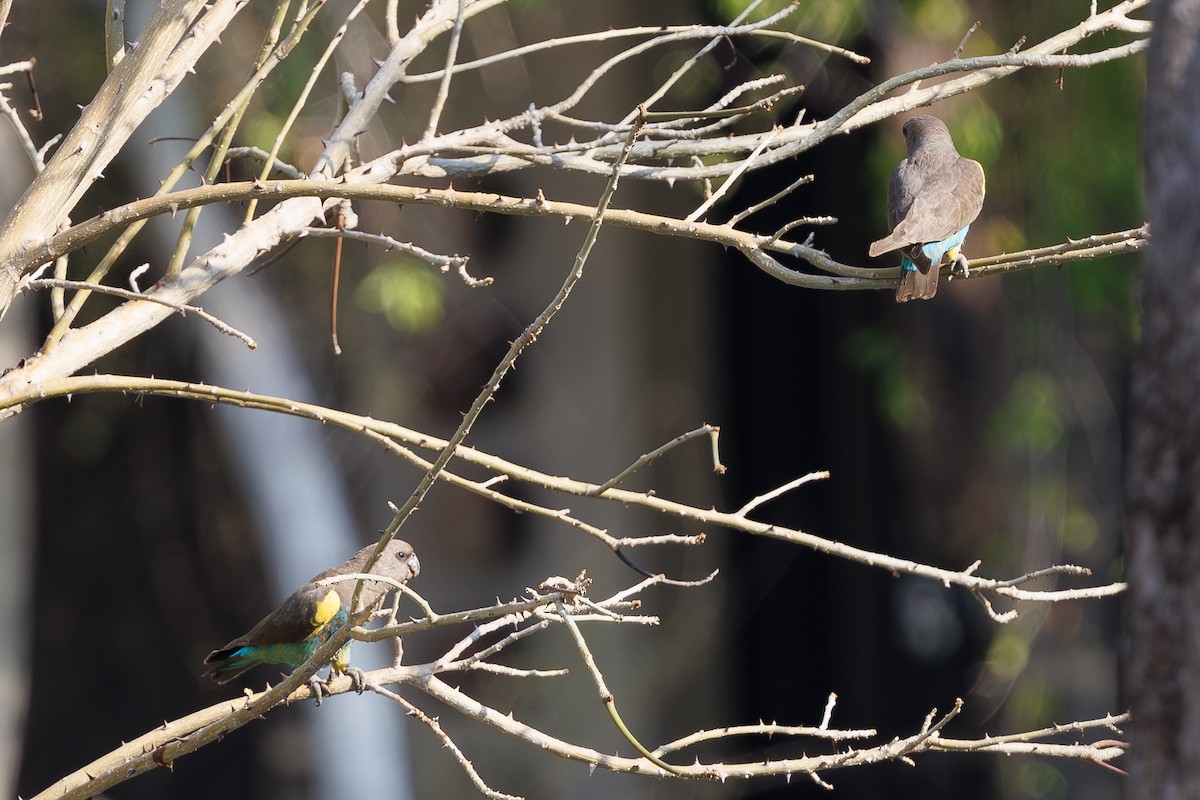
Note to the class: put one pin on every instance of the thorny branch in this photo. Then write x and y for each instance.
(399, 440)
(755, 246)
(694, 146)
(491, 147)
(564, 602)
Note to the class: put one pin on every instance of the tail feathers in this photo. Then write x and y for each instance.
(229, 663)
(885, 245)
(916, 283)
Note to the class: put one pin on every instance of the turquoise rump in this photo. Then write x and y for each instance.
(934, 252)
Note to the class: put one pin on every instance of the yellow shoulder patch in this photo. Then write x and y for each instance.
(325, 610)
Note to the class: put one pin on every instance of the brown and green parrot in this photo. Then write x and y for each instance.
(292, 633)
(934, 196)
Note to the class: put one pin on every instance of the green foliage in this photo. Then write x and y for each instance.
(407, 292)
(829, 22)
(877, 354)
(1041, 780)
(1031, 418)
(1079, 530)
(1008, 654)
(943, 19)
(978, 134)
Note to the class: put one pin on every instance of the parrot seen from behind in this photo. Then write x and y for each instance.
(934, 196)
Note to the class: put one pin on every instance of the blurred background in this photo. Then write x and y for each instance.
(985, 424)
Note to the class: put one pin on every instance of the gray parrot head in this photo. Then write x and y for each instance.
(397, 561)
(926, 132)
(398, 558)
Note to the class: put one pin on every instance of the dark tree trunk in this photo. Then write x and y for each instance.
(1163, 488)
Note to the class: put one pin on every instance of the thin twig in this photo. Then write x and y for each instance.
(712, 431)
(263, 157)
(729, 181)
(606, 695)
(775, 198)
(36, 157)
(527, 337)
(676, 510)
(448, 743)
(686, 66)
(958, 51)
(827, 717)
(699, 31)
(182, 308)
(782, 490)
(439, 102)
(443, 263)
(302, 98)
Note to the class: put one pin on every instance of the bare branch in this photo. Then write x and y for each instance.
(36, 156)
(528, 337)
(443, 263)
(770, 201)
(1008, 588)
(183, 309)
(175, 37)
(180, 737)
(447, 742)
(712, 431)
(606, 695)
(714, 144)
(439, 102)
(782, 490)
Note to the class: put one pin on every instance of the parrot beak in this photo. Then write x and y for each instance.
(414, 564)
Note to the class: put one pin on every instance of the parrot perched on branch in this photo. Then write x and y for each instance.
(292, 633)
(934, 196)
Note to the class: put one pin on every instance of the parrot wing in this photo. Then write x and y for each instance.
(929, 208)
(303, 615)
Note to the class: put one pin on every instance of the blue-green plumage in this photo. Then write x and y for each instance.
(934, 252)
(230, 662)
(292, 633)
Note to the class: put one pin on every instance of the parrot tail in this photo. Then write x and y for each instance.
(916, 283)
(229, 663)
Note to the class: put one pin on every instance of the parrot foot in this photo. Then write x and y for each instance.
(961, 265)
(319, 689)
(358, 679)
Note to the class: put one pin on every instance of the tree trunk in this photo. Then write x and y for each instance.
(1163, 483)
